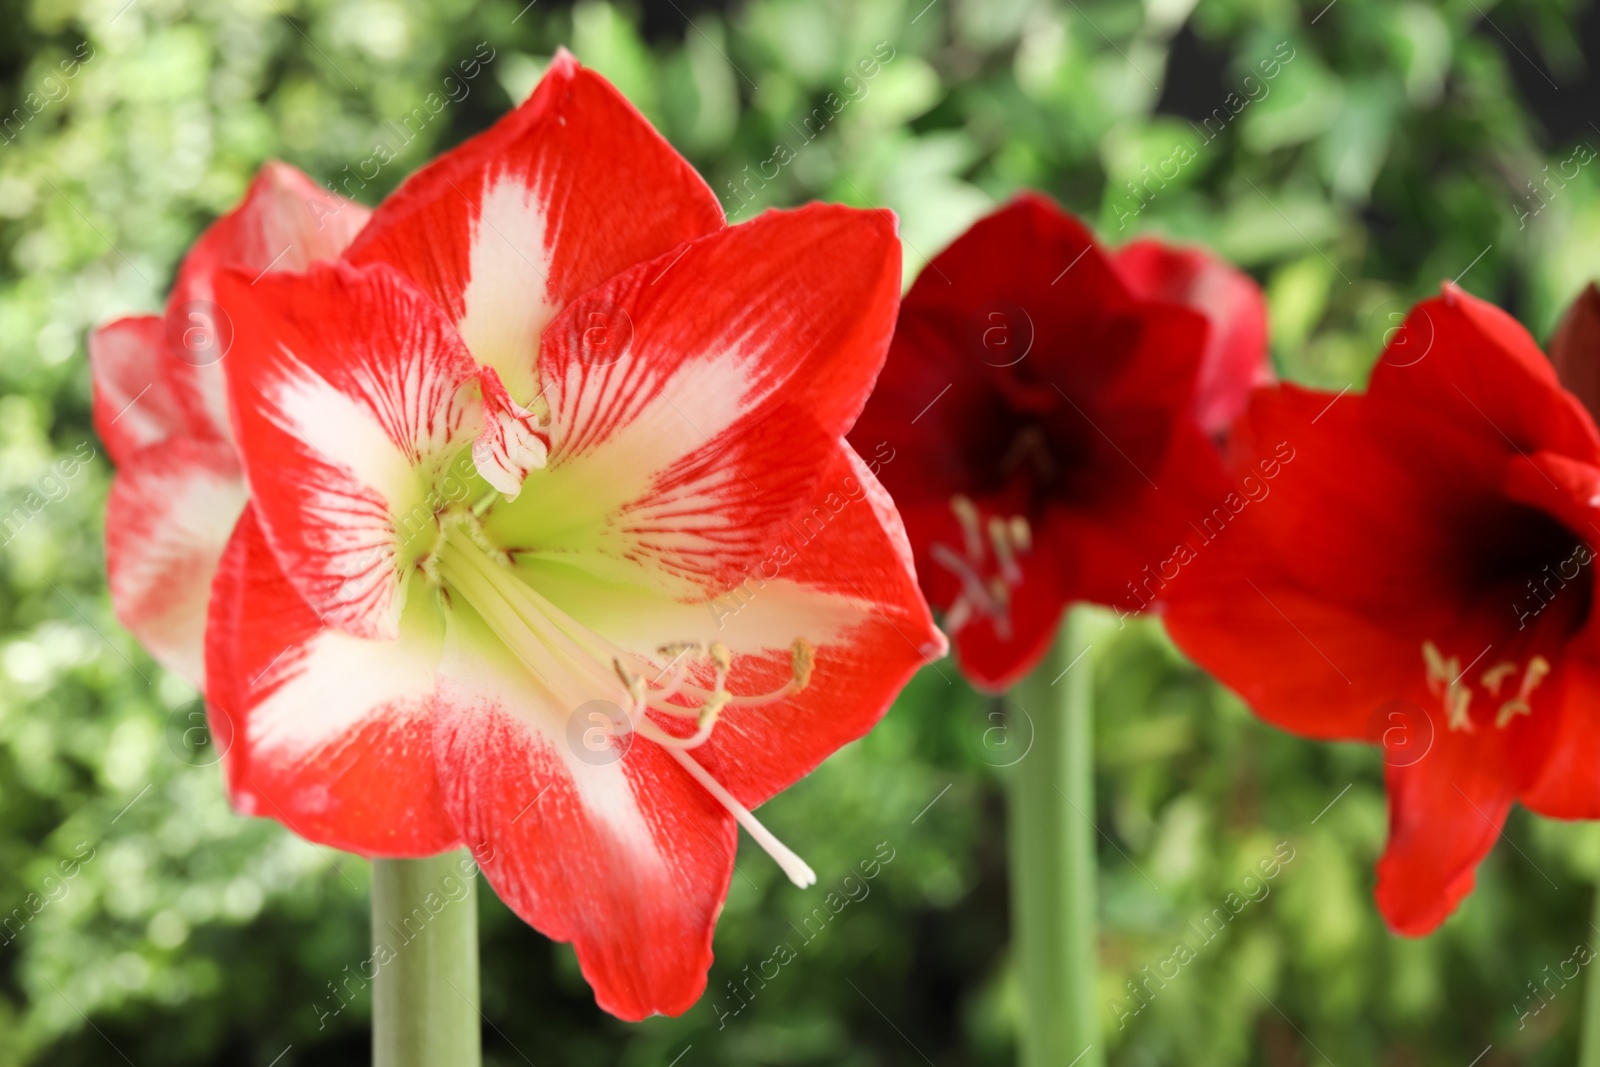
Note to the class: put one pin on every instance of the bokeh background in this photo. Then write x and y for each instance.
(1392, 146)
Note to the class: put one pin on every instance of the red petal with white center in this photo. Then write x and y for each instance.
(618, 851)
(696, 399)
(847, 587)
(512, 442)
(1235, 357)
(171, 509)
(569, 189)
(351, 394)
(330, 734)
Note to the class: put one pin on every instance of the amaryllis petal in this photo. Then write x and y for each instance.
(1446, 810)
(161, 407)
(136, 401)
(614, 849)
(171, 509)
(328, 733)
(845, 566)
(679, 442)
(285, 223)
(1575, 348)
(1235, 357)
(564, 192)
(1568, 786)
(1465, 357)
(1443, 820)
(352, 394)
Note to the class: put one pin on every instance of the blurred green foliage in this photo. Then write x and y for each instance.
(1350, 156)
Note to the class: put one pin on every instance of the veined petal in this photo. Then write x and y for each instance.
(616, 850)
(171, 509)
(329, 734)
(695, 400)
(569, 189)
(841, 579)
(352, 393)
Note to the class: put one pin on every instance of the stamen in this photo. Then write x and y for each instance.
(971, 530)
(799, 872)
(972, 586)
(540, 635)
(1538, 668)
(984, 591)
(1444, 680)
(1021, 533)
(1456, 701)
(1495, 676)
(1440, 670)
(999, 534)
(959, 615)
(802, 659)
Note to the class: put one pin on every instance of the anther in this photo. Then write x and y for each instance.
(802, 659)
(1496, 676)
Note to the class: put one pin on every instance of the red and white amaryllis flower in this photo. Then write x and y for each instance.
(1423, 578)
(1054, 403)
(507, 457)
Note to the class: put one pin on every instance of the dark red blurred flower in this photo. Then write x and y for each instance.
(1042, 421)
(1420, 577)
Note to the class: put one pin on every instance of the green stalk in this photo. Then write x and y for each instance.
(425, 944)
(1589, 1050)
(1052, 846)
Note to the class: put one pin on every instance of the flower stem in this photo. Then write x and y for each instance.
(1589, 1049)
(425, 946)
(1052, 846)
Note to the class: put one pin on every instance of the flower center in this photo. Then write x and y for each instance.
(985, 565)
(1445, 681)
(571, 660)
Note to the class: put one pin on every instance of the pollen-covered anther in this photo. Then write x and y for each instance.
(1496, 676)
(988, 568)
(1444, 681)
(672, 681)
(1538, 668)
(802, 660)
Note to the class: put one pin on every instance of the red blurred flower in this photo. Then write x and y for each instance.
(1421, 577)
(1045, 411)
(503, 456)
